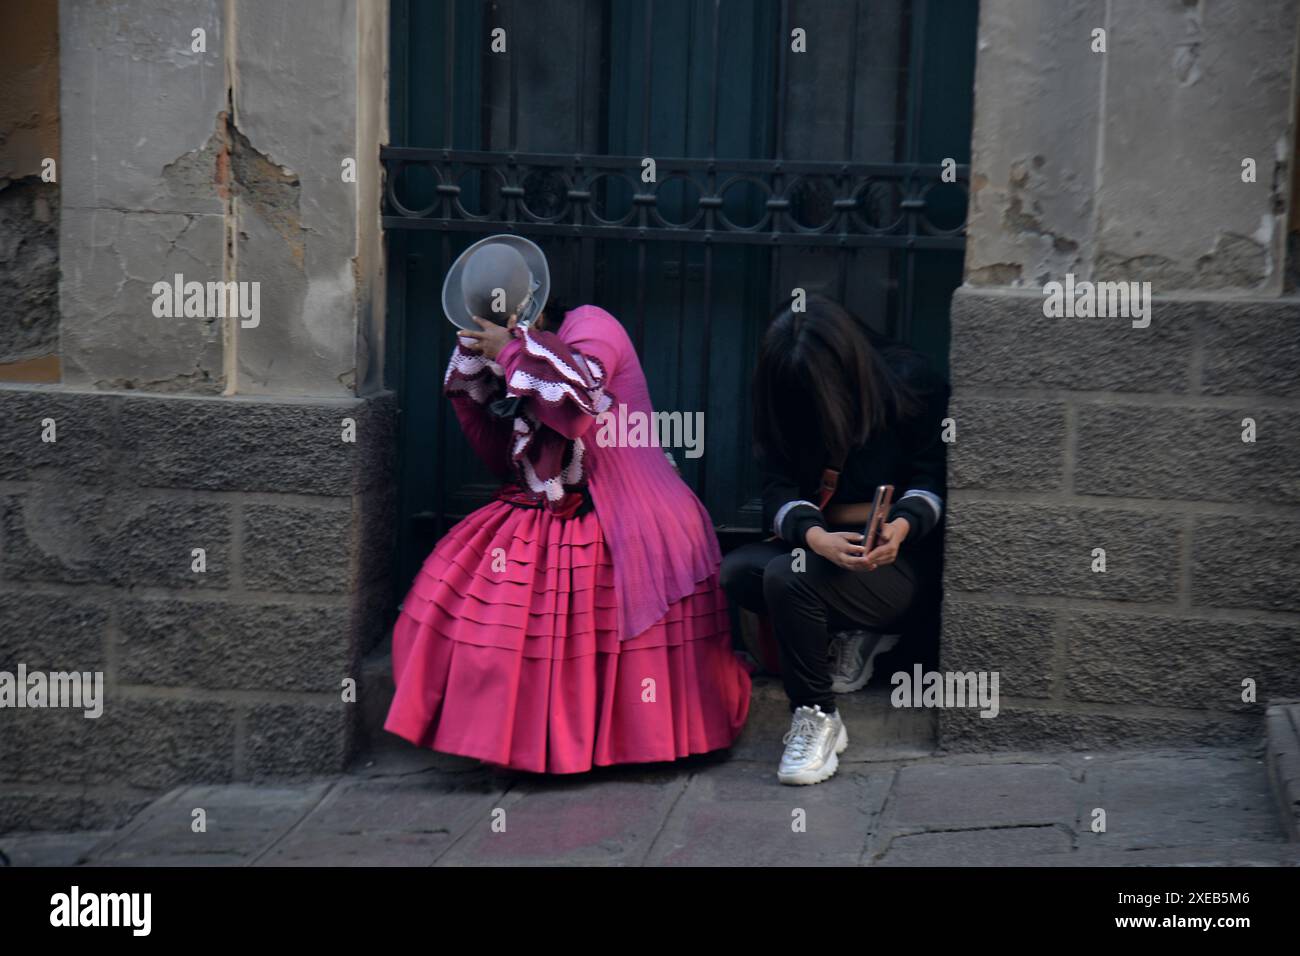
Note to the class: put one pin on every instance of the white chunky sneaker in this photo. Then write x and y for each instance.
(851, 655)
(812, 747)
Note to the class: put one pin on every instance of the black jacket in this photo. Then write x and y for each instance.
(909, 453)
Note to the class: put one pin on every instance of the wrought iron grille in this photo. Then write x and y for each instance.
(804, 203)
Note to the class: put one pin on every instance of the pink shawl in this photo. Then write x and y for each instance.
(660, 537)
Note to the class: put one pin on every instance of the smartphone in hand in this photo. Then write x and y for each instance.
(880, 505)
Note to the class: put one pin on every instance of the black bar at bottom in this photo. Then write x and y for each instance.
(981, 906)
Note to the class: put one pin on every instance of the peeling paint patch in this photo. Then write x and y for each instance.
(1023, 214)
(270, 190)
(998, 273)
(192, 174)
(1236, 262)
(199, 381)
(238, 170)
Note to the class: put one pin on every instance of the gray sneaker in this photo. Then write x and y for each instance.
(851, 655)
(812, 747)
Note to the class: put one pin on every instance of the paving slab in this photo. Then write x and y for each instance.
(51, 849)
(374, 848)
(1239, 853)
(739, 815)
(1199, 807)
(609, 817)
(407, 821)
(397, 758)
(947, 796)
(1178, 799)
(1000, 846)
(242, 820)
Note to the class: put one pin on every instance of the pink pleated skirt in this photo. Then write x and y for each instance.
(506, 650)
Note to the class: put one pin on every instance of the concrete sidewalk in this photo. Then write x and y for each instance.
(408, 807)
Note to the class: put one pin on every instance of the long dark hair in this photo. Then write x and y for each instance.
(553, 312)
(822, 386)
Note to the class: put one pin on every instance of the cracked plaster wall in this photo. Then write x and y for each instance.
(1127, 165)
(217, 165)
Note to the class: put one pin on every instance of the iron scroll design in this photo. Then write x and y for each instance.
(749, 201)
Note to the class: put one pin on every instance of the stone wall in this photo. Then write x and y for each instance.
(234, 673)
(1077, 434)
(207, 138)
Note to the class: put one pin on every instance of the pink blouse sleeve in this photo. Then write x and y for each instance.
(563, 382)
(472, 383)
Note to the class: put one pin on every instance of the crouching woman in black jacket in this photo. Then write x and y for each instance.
(831, 394)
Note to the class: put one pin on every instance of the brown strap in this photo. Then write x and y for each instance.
(830, 479)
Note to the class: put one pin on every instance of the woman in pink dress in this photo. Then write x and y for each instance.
(576, 620)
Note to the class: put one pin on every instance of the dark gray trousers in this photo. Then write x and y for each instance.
(807, 606)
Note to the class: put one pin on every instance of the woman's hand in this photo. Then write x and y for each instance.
(841, 548)
(893, 534)
(491, 340)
